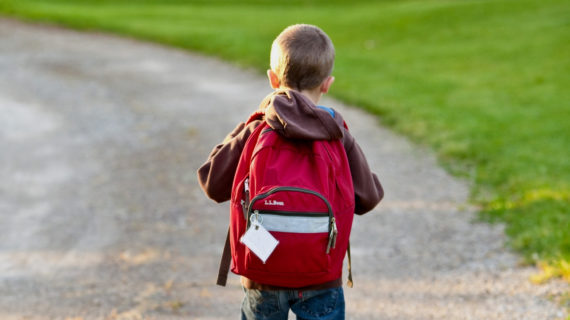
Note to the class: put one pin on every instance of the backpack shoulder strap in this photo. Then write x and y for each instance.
(225, 263)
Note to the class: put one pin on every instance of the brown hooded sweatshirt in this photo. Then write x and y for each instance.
(294, 116)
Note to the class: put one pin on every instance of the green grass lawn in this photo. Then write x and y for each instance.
(484, 83)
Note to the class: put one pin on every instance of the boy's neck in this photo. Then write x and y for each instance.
(313, 95)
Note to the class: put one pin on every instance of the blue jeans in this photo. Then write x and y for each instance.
(325, 304)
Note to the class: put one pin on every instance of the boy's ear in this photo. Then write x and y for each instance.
(326, 85)
(273, 79)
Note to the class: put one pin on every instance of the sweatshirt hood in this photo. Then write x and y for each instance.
(295, 116)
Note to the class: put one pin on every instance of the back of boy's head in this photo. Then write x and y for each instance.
(302, 56)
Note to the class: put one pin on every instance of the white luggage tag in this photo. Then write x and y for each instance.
(258, 239)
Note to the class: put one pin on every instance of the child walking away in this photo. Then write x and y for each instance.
(295, 177)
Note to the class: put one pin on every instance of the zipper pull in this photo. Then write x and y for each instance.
(335, 233)
(245, 202)
(332, 236)
(256, 219)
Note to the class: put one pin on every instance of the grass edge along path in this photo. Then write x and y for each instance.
(483, 83)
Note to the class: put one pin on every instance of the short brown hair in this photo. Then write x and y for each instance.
(302, 56)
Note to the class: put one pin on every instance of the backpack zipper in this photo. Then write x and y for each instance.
(245, 202)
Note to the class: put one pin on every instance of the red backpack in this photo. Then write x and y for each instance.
(301, 191)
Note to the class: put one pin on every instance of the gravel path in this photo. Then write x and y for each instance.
(101, 216)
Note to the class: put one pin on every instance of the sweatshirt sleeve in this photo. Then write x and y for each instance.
(216, 175)
(367, 188)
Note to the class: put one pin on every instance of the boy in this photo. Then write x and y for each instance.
(302, 58)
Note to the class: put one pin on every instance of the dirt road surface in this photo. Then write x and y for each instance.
(101, 216)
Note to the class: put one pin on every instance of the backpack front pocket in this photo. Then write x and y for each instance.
(302, 222)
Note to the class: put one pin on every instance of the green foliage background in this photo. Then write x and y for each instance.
(484, 83)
